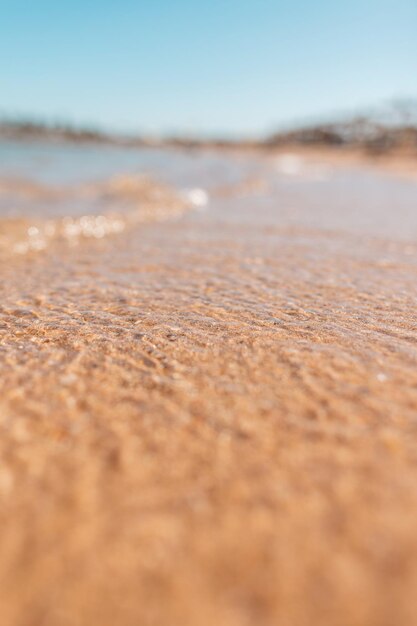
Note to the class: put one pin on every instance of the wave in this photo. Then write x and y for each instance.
(34, 214)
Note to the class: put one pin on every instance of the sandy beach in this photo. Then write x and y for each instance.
(208, 391)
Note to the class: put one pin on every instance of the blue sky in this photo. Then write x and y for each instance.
(234, 66)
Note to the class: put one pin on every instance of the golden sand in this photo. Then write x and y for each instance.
(210, 421)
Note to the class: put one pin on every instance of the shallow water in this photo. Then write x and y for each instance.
(209, 415)
(50, 191)
(40, 180)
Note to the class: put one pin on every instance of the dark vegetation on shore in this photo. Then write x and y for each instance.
(390, 131)
(372, 134)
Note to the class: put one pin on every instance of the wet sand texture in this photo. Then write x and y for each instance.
(212, 420)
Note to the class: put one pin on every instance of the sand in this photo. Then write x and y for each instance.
(212, 419)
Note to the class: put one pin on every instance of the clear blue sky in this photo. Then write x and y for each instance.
(237, 66)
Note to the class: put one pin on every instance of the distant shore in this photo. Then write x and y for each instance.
(372, 136)
(365, 140)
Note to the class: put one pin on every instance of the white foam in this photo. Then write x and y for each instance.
(198, 197)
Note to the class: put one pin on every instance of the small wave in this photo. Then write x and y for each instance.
(111, 207)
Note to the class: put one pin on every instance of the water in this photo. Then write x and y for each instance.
(52, 179)
(65, 164)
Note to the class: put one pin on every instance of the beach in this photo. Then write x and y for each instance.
(208, 390)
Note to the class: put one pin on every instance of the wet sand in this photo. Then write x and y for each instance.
(212, 418)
